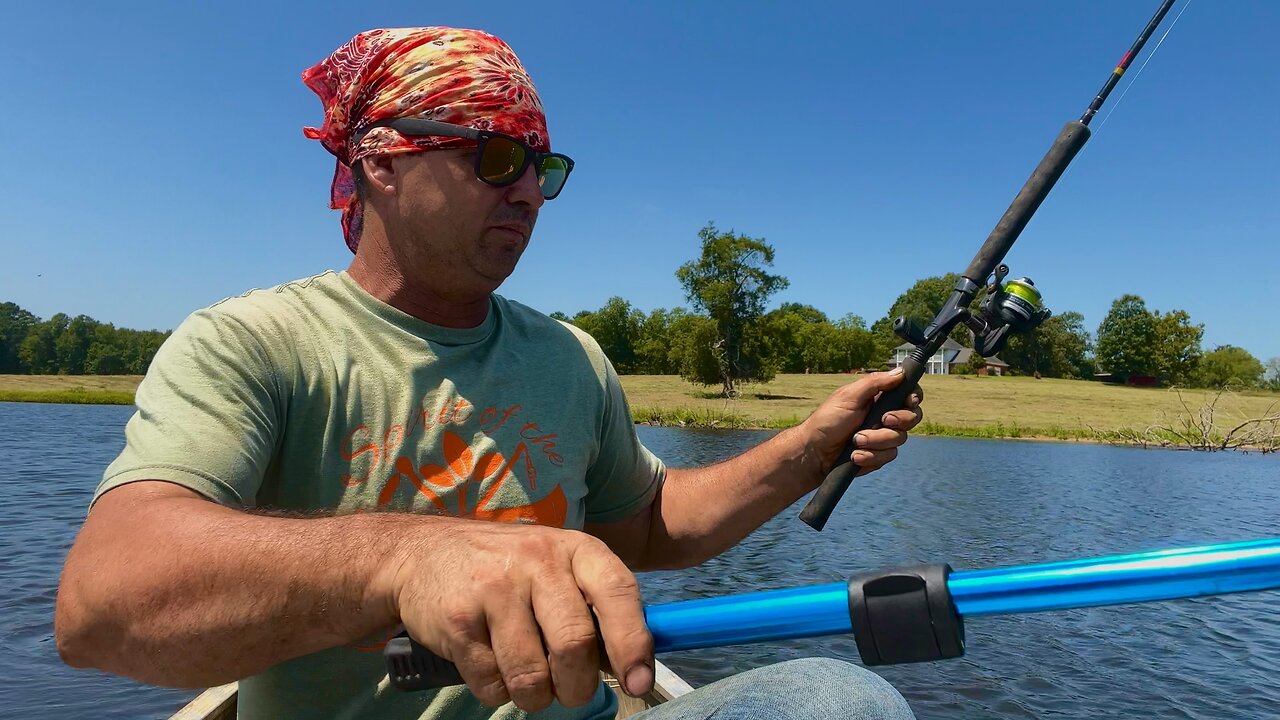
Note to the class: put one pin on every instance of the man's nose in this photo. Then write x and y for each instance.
(527, 190)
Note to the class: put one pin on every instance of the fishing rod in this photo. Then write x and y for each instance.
(917, 614)
(1012, 306)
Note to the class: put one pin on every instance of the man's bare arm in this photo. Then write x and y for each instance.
(700, 513)
(171, 589)
(166, 587)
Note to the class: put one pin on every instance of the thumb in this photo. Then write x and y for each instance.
(866, 389)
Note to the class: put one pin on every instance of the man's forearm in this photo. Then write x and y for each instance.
(702, 512)
(193, 594)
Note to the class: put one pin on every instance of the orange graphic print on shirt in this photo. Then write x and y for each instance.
(474, 483)
(456, 477)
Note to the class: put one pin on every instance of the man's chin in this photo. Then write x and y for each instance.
(499, 265)
(497, 274)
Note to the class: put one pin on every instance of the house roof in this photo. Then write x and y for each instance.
(957, 354)
(948, 344)
(964, 355)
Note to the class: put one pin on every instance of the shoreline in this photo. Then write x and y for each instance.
(1084, 436)
(957, 406)
(67, 397)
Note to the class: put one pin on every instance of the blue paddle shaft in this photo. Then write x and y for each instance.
(824, 609)
(1118, 579)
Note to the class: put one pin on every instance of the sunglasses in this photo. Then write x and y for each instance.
(500, 159)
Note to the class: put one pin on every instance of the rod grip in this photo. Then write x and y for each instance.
(833, 487)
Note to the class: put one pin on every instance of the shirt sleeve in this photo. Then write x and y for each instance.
(625, 476)
(209, 413)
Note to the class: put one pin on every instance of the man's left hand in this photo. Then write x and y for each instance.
(829, 428)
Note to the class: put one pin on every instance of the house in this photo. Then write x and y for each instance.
(950, 360)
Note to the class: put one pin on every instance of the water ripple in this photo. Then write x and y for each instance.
(974, 504)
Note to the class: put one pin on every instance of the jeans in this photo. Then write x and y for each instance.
(809, 689)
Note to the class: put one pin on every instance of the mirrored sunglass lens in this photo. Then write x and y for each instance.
(501, 161)
(553, 171)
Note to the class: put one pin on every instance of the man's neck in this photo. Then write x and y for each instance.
(385, 282)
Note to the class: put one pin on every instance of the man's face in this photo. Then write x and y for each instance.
(456, 234)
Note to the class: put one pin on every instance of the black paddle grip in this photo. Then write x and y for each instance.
(413, 667)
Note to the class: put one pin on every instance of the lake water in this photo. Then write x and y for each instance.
(973, 504)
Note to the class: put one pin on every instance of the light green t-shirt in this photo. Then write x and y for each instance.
(315, 396)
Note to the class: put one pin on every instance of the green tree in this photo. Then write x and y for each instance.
(1127, 338)
(616, 326)
(39, 349)
(143, 348)
(857, 347)
(1177, 347)
(72, 345)
(729, 281)
(654, 351)
(107, 354)
(696, 349)
(1229, 365)
(1058, 348)
(792, 330)
(15, 323)
(837, 347)
(1135, 340)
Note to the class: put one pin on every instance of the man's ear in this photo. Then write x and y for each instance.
(380, 174)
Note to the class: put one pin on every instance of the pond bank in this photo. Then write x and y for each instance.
(1008, 408)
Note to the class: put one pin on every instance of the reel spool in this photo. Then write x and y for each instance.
(1013, 306)
(1018, 304)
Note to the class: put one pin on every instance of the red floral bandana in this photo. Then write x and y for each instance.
(464, 77)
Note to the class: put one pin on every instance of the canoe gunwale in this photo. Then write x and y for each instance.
(219, 703)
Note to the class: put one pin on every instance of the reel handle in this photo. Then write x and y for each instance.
(823, 503)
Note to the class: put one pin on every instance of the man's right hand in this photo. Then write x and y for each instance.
(511, 606)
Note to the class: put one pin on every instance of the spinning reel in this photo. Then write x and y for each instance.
(1012, 306)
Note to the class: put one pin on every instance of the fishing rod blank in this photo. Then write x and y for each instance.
(1014, 306)
(917, 614)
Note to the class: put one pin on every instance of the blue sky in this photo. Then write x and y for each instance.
(155, 161)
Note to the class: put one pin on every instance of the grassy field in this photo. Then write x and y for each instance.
(95, 389)
(954, 404)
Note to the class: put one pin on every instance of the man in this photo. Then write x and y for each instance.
(236, 536)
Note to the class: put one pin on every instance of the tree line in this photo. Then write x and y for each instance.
(727, 337)
(79, 345)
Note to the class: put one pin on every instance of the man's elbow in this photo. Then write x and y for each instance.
(89, 628)
(73, 629)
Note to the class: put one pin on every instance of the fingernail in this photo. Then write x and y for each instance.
(639, 680)
(896, 371)
(859, 440)
(889, 421)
